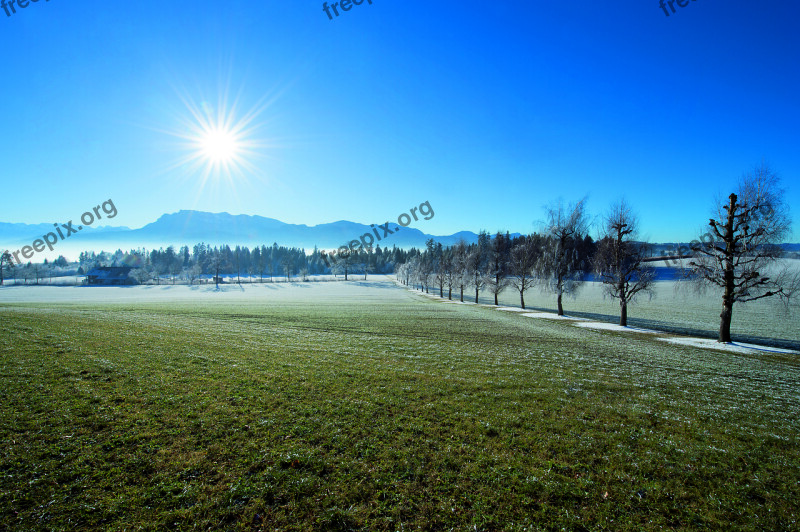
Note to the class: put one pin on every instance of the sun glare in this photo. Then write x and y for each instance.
(219, 146)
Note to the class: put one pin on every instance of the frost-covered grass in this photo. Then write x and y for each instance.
(363, 406)
(675, 308)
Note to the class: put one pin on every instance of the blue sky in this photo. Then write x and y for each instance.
(489, 111)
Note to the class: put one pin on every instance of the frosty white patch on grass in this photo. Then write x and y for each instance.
(613, 327)
(432, 296)
(512, 309)
(734, 347)
(551, 316)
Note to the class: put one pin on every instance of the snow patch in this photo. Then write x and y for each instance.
(551, 316)
(733, 347)
(614, 327)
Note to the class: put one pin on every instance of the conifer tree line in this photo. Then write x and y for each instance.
(241, 263)
(259, 264)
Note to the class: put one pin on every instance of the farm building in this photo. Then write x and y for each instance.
(110, 275)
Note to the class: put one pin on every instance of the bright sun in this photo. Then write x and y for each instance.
(219, 146)
(220, 143)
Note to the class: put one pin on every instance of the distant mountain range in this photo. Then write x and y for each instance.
(191, 227)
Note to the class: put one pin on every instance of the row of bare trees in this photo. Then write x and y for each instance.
(556, 260)
(740, 254)
(33, 273)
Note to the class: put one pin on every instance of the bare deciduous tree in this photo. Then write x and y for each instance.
(474, 272)
(142, 274)
(405, 273)
(193, 273)
(344, 262)
(287, 263)
(559, 265)
(442, 274)
(523, 260)
(497, 267)
(217, 263)
(38, 272)
(620, 260)
(413, 270)
(424, 272)
(452, 272)
(742, 255)
(460, 266)
(175, 269)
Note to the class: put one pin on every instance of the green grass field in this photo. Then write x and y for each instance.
(363, 406)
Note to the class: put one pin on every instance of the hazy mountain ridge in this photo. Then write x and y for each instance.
(188, 227)
(9, 231)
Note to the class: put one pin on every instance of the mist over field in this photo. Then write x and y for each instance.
(675, 307)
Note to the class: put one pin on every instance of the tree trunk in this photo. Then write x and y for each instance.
(730, 287)
(450, 293)
(560, 306)
(441, 291)
(476, 294)
(495, 299)
(522, 299)
(725, 322)
(623, 312)
(462, 293)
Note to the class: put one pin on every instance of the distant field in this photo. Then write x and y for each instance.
(364, 406)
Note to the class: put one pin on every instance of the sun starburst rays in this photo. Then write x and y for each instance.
(219, 146)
